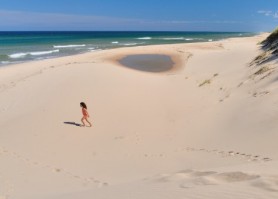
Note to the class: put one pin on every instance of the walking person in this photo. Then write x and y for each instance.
(85, 115)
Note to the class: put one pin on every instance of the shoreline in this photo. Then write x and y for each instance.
(174, 57)
(168, 49)
(28, 61)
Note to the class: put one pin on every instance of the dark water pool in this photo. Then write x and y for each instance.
(148, 62)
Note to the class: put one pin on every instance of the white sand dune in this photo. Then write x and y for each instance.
(206, 129)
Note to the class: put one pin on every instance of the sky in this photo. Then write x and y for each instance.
(139, 15)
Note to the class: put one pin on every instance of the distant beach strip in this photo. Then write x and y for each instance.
(18, 47)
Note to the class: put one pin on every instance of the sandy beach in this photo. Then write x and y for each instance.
(205, 127)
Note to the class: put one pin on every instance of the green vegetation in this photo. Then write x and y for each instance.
(261, 58)
(270, 47)
(262, 70)
(207, 81)
(271, 38)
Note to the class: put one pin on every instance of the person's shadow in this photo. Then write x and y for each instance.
(72, 123)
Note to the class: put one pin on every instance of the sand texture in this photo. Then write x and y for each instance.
(206, 128)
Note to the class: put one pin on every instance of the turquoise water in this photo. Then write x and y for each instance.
(17, 47)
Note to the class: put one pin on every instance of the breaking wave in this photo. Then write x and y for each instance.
(144, 38)
(69, 46)
(173, 38)
(21, 55)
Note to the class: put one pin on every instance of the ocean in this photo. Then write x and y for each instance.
(17, 47)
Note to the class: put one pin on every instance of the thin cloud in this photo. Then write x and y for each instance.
(269, 13)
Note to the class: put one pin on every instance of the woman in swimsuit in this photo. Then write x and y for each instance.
(85, 114)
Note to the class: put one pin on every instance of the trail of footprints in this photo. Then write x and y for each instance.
(12, 84)
(223, 154)
(86, 181)
(245, 156)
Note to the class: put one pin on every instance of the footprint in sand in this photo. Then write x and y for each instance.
(119, 138)
(100, 185)
(266, 159)
(260, 94)
(58, 170)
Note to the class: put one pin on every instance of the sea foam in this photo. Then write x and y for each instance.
(21, 55)
(144, 38)
(94, 50)
(133, 44)
(17, 55)
(69, 46)
(5, 62)
(173, 38)
(43, 52)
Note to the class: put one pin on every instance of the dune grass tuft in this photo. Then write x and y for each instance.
(270, 47)
(207, 81)
(262, 70)
(271, 38)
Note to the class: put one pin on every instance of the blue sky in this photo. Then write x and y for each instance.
(165, 15)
